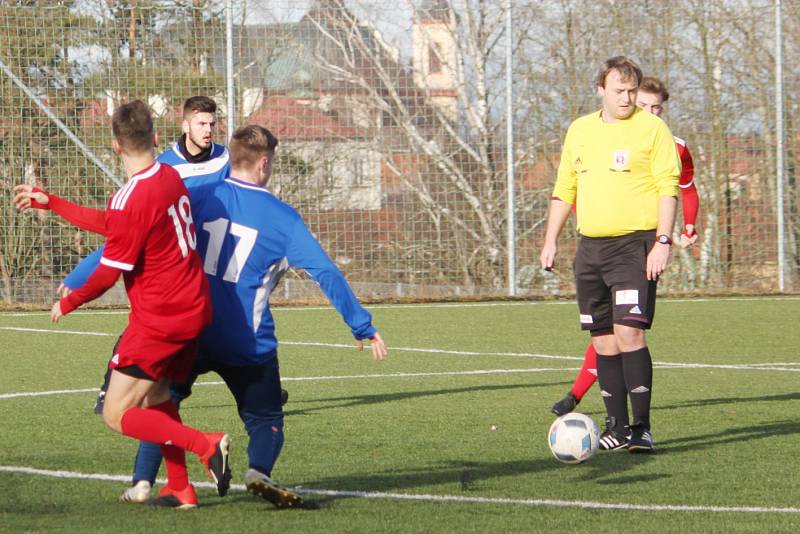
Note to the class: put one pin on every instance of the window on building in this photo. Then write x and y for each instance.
(434, 59)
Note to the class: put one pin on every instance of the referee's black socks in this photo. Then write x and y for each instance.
(612, 388)
(638, 369)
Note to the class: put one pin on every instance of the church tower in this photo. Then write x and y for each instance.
(434, 54)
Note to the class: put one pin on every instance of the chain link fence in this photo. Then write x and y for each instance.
(392, 121)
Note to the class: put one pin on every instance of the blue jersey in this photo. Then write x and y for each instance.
(214, 169)
(248, 239)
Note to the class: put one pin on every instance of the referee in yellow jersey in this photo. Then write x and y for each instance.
(619, 166)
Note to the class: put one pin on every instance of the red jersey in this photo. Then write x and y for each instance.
(689, 199)
(150, 237)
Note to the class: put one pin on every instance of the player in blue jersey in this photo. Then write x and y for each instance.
(248, 239)
(194, 155)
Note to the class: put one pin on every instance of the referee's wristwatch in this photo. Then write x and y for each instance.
(664, 239)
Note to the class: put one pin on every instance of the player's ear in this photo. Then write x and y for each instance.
(155, 139)
(266, 166)
(116, 147)
(185, 126)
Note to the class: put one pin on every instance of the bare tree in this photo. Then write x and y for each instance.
(455, 131)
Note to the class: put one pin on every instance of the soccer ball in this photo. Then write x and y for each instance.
(573, 438)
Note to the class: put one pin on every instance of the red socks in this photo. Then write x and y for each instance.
(161, 424)
(587, 375)
(175, 463)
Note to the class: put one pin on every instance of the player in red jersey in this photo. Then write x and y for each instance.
(150, 240)
(651, 97)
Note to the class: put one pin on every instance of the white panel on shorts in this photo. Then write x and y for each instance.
(627, 296)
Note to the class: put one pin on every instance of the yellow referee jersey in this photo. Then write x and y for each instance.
(615, 172)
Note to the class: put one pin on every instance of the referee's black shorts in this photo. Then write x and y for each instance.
(611, 282)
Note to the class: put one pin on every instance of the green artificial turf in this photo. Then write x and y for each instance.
(447, 435)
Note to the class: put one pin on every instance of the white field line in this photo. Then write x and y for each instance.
(592, 505)
(312, 379)
(50, 331)
(47, 393)
(777, 363)
(665, 365)
(433, 305)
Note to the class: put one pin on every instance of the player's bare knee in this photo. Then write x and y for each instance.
(112, 417)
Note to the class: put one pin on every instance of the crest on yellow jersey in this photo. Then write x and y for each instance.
(620, 159)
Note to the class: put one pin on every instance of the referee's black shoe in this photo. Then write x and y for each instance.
(612, 440)
(641, 440)
(565, 405)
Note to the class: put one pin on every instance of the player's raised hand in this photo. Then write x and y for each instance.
(26, 196)
(377, 345)
(55, 313)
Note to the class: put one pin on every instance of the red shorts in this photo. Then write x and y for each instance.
(158, 358)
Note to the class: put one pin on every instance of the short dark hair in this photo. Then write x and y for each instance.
(199, 104)
(132, 127)
(655, 86)
(249, 143)
(628, 70)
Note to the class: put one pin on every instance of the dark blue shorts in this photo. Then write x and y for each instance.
(256, 388)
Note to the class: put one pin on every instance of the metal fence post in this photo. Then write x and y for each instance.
(510, 218)
(229, 68)
(779, 164)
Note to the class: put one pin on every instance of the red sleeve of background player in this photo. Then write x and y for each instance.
(689, 199)
(89, 219)
(102, 279)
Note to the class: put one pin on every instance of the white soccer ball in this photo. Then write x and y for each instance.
(573, 438)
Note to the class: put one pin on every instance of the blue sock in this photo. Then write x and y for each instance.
(266, 442)
(148, 460)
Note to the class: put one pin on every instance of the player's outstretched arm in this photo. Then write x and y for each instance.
(379, 350)
(89, 219)
(101, 280)
(305, 252)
